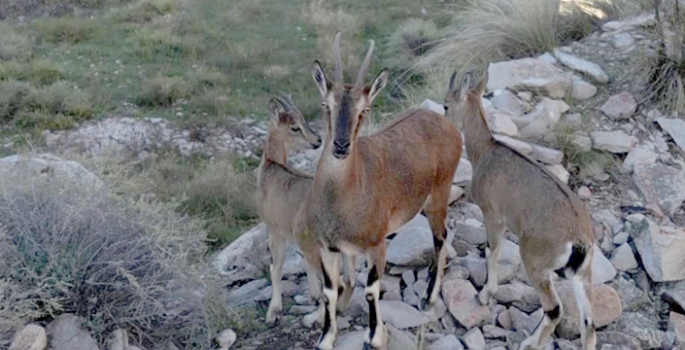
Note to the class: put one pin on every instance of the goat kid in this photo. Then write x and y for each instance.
(515, 192)
(366, 187)
(281, 193)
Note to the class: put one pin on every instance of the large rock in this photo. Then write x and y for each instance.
(448, 342)
(642, 20)
(50, 165)
(638, 156)
(66, 333)
(643, 329)
(461, 299)
(519, 294)
(606, 308)
(675, 128)
(676, 323)
(583, 66)
(522, 147)
(661, 184)
(619, 106)
(32, 337)
(247, 293)
(355, 340)
(623, 258)
(464, 172)
(244, 258)
(501, 123)
(413, 244)
(529, 74)
(602, 269)
(613, 141)
(401, 315)
(547, 155)
(661, 250)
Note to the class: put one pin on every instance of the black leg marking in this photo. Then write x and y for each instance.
(577, 258)
(554, 313)
(373, 321)
(328, 284)
(433, 272)
(423, 212)
(341, 289)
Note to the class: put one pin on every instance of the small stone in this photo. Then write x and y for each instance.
(520, 146)
(464, 172)
(602, 269)
(525, 95)
(301, 299)
(460, 297)
(493, 332)
(584, 193)
(66, 332)
(613, 141)
(474, 339)
(582, 90)
(301, 309)
(390, 283)
(559, 171)
(455, 193)
(547, 155)
(555, 107)
(408, 277)
(448, 342)
(31, 337)
(572, 120)
(506, 102)
(621, 237)
(638, 156)
(474, 235)
(676, 128)
(343, 322)
(620, 106)
(500, 123)
(525, 322)
(643, 328)
(623, 40)
(413, 245)
(420, 287)
(504, 320)
(226, 338)
(676, 322)
(623, 258)
(393, 296)
(641, 20)
(583, 66)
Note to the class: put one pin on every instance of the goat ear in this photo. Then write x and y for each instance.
(378, 84)
(465, 85)
(482, 84)
(320, 79)
(453, 80)
(274, 110)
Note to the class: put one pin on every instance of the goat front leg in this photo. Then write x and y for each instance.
(277, 247)
(495, 231)
(331, 272)
(377, 338)
(348, 281)
(313, 269)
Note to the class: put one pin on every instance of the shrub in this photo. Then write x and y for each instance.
(62, 98)
(44, 72)
(67, 30)
(66, 247)
(411, 40)
(13, 45)
(163, 91)
(12, 98)
(146, 10)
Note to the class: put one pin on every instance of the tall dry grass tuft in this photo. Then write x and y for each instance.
(326, 23)
(118, 262)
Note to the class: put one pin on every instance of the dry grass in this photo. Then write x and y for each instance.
(13, 45)
(164, 91)
(66, 30)
(411, 40)
(116, 262)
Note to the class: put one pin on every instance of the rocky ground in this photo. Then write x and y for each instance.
(582, 97)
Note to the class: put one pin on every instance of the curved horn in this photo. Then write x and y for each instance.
(365, 65)
(286, 100)
(283, 102)
(338, 60)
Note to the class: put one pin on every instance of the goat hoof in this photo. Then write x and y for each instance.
(485, 297)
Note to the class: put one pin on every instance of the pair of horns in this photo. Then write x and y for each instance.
(338, 62)
(285, 100)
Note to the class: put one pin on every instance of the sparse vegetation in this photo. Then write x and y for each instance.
(116, 262)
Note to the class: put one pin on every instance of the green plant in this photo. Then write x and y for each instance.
(44, 72)
(12, 98)
(412, 39)
(164, 91)
(66, 30)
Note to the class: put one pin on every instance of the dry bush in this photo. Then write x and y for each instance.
(60, 98)
(117, 262)
(412, 39)
(12, 98)
(67, 30)
(164, 91)
(44, 72)
(327, 22)
(14, 45)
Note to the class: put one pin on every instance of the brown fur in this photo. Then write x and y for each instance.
(516, 192)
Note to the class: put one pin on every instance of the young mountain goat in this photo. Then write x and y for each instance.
(554, 228)
(367, 187)
(281, 193)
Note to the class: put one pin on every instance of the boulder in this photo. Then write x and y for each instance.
(606, 308)
(413, 244)
(461, 299)
(401, 315)
(638, 156)
(661, 184)
(661, 250)
(582, 90)
(242, 259)
(674, 127)
(623, 258)
(66, 333)
(31, 337)
(355, 340)
(619, 106)
(519, 294)
(529, 74)
(676, 323)
(583, 66)
(49, 165)
(602, 269)
(613, 141)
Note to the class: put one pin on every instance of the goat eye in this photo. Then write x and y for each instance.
(445, 107)
(366, 110)
(324, 105)
(295, 129)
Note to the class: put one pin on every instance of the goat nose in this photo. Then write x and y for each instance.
(341, 144)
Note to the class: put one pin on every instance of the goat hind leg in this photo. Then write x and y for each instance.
(495, 232)
(277, 247)
(436, 212)
(377, 338)
(551, 304)
(348, 279)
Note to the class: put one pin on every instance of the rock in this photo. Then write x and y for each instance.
(464, 172)
(661, 184)
(674, 127)
(675, 297)
(355, 340)
(49, 165)
(455, 193)
(118, 340)
(493, 332)
(461, 299)
(584, 193)
(676, 323)
(528, 74)
(623, 258)
(504, 320)
(613, 141)
(620, 106)
(358, 304)
(31, 337)
(408, 277)
(547, 155)
(477, 267)
(66, 333)
(505, 101)
(525, 95)
(638, 156)
(623, 340)
(643, 329)
(559, 171)
(401, 315)
(474, 339)
(621, 237)
(301, 309)
(520, 146)
(632, 298)
(555, 107)
(433, 106)
(521, 295)
(515, 339)
(583, 66)
(413, 245)
(420, 287)
(501, 123)
(390, 283)
(524, 322)
(241, 260)
(661, 250)
(602, 269)
(537, 123)
(583, 143)
(448, 342)
(642, 20)
(582, 90)
(606, 308)
(623, 40)
(135, 348)
(247, 293)
(474, 235)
